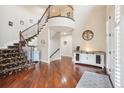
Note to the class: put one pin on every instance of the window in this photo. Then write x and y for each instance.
(117, 46)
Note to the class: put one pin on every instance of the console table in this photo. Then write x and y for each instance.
(95, 58)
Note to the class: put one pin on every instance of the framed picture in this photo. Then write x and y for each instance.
(10, 23)
(87, 35)
(21, 22)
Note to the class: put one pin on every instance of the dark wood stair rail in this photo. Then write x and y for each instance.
(21, 32)
(47, 10)
(24, 41)
(38, 20)
(54, 52)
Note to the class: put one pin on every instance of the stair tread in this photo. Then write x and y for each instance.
(12, 59)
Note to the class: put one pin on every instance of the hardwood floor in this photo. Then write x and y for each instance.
(57, 74)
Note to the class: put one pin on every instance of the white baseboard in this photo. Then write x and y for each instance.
(45, 61)
(58, 58)
(107, 71)
(67, 56)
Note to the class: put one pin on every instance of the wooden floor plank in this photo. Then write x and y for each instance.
(57, 74)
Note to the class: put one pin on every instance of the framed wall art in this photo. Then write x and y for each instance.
(10, 23)
(87, 35)
(21, 22)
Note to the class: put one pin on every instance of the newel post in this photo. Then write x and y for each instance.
(20, 35)
(38, 27)
(19, 41)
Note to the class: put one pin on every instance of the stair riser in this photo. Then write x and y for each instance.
(12, 60)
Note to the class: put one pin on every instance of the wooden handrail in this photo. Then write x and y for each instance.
(42, 17)
(44, 13)
(55, 52)
(70, 7)
(21, 36)
(38, 20)
(29, 27)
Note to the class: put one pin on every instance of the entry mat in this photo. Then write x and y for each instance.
(94, 80)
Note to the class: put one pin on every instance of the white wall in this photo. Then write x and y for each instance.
(9, 35)
(91, 18)
(62, 22)
(54, 45)
(66, 49)
(43, 47)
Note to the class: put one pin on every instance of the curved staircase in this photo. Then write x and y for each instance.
(14, 59)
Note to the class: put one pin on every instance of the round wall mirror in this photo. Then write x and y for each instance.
(87, 35)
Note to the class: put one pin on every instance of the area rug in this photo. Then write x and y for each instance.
(94, 80)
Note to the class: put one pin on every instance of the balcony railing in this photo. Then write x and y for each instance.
(61, 11)
(51, 11)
